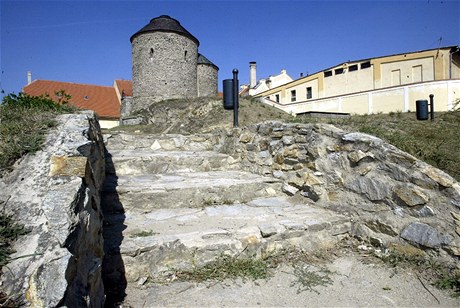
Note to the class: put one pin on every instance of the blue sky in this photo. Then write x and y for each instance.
(88, 41)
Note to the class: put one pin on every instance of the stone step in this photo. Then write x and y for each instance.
(167, 142)
(185, 189)
(162, 239)
(147, 161)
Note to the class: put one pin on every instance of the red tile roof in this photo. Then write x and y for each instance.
(125, 86)
(102, 99)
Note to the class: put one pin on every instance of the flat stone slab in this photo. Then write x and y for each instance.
(277, 212)
(168, 142)
(160, 239)
(177, 181)
(187, 189)
(147, 161)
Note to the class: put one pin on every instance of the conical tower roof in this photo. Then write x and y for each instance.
(203, 60)
(164, 23)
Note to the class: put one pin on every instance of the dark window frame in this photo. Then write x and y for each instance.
(365, 65)
(309, 92)
(353, 68)
(293, 95)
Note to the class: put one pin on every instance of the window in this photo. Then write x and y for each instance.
(366, 64)
(277, 98)
(86, 97)
(339, 71)
(417, 73)
(151, 55)
(396, 77)
(353, 68)
(185, 55)
(309, 93)
(328, 74)
(293, 96)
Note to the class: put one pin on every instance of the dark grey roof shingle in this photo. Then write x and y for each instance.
(165, 23)
(203, 60)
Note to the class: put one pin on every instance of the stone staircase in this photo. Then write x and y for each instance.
(171, 202)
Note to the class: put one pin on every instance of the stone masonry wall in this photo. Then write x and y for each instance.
(164, 67)
(55, 194)
(207, 80)
(394, 198)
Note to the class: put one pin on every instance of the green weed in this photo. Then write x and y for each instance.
(227, 267)
(9, 232)
(441, 274)
(144, 234)
(24, 121)
(308, 278)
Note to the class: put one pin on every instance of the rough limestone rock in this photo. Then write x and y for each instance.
(373, 188)
(411, 195)
(55, 194)
(382, 194)
(384, 189)
(425, 235)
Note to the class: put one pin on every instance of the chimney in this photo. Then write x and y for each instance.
(29, 77)
(252, 75)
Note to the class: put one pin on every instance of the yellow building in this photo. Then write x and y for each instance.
(383, 84)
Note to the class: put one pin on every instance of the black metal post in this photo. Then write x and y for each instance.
(432, 107)
(235, 98)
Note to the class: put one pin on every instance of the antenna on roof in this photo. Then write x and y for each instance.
(439, 46)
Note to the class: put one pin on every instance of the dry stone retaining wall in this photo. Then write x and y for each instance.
(55, 194)
(393, 197)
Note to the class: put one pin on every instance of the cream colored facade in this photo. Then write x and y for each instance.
(108, 123)
(384, 84)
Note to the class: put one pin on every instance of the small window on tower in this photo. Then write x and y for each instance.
(151, 53)
(185, 55)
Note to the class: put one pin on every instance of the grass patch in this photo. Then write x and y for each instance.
(227, 267)
(144, 234)
(24, 121)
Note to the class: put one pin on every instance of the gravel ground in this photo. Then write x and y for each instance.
(352, 283)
